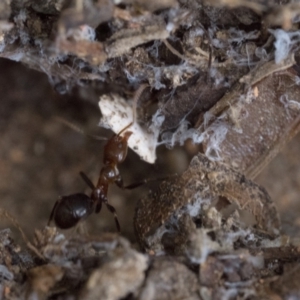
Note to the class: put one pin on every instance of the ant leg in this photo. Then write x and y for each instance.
(113, 211)
(140, 183)
(130, 186)
(119, 182)
(98, 207)
(53, 211)
(87, 180)
(134, 185)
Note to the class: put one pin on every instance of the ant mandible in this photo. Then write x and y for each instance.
(69, 210)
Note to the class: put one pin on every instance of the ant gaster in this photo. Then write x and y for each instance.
(69, 210)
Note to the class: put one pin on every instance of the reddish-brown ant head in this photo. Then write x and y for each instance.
(127, 135)
(116, 148)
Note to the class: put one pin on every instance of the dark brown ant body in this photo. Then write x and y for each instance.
(69, 210)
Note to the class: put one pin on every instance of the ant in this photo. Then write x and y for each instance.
(69, 210)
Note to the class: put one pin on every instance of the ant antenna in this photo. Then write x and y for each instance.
(136, 97)
(79, 129)
(125, 128)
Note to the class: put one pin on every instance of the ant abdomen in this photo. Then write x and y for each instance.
(71, 209)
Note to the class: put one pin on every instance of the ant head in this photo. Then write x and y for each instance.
(127, 135)
(115, 150)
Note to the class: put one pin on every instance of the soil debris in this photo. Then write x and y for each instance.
(222, 82)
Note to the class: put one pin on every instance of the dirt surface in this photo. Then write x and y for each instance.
(222, 94)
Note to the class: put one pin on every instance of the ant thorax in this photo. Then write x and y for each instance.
(109, 174)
